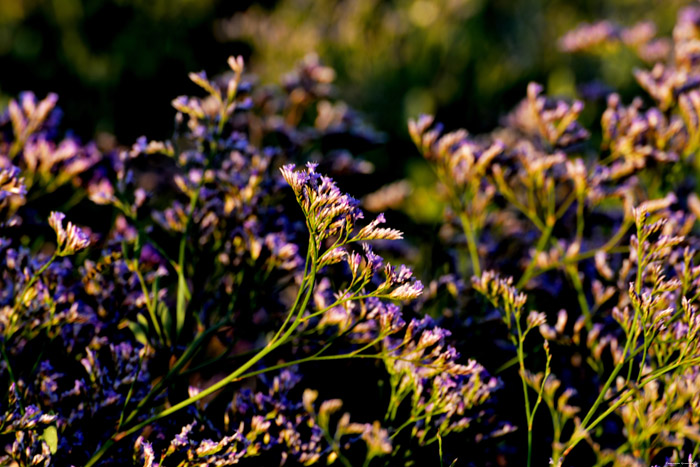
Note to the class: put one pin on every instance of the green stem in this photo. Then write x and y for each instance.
(12, 375)
(184, 358)
(601, 396)
(131, 390)
(471, 243)
(538, 249)
(233, 376)
(150, 305)
(300, 293)
(201, 395)
(33, 280)
(521, 361)
(572, 272)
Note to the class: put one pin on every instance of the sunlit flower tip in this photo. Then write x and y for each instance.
(11, 183)
(372, 232)
(193, 390)
(308, 399)
(329, 407)
(56, 223)
(200, 79)
(295, 179)
(70, 239)
(407, 291)
(336, 255)
(236, 63)
(547, 332)
(432, 336)
(148, 454)
(374, 261)
(403, 274)
(354, 261)
(655, 205)
(536, 318)
(101, 192)
(562, 319)
(377, 439)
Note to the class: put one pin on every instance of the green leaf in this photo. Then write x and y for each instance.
(165, 316)
(50, 436)
(140, 329)
(181, 302)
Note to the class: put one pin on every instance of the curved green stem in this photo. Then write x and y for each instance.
(472, 244)
(233, 376)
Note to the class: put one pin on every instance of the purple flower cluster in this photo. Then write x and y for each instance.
(122, 331)
(208, 303)
(595, 248)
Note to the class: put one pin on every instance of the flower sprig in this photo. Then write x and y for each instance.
(71, 238)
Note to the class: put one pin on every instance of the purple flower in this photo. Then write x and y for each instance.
(70, 239)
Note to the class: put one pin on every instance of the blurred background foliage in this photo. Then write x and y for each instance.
(116, 64)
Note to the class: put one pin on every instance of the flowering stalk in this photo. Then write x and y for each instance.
(503, 296)
(329, 214)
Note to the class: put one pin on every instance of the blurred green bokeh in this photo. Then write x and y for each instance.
(116, 64)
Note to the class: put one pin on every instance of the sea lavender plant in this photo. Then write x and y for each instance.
(146, 323)
(195, 320)
(561, 222)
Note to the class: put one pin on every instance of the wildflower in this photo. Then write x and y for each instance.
(391, 196)
(70, 239)
(146, 451)
(587, 36)
(407, 291)
(328, 211)
(423, 364)
(373, 232)
(535, 319)
(555, 120)
(377, 440)
(635, 136)
(501, 293)
(11, 183)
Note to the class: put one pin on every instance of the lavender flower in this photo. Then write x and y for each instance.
(587, 36)
(228, 450)
(11, 183)
(70, 239)
(444, 391)
(328, 211)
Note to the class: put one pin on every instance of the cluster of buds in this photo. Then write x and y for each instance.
(331, 215)
(70, 239)
(462, 164)
(32, 446)
(634, 136)
(220, 103)
(54, 165)
(375, 437)
(228, 450)
(673, 85)
(504, 296)
(28, 117)
(11, 183)
(274, 420)
(328, 211)
(553, 120)
(43, 162)
(603, 36)
(663, 414)
(445, 394)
